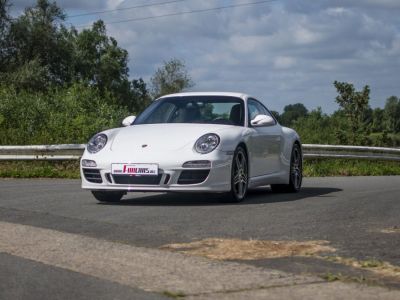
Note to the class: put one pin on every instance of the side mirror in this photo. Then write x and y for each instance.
(262, 120)
(128, 121)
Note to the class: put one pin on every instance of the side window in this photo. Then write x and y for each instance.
(255, 108)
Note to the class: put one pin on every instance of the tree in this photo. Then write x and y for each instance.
(312, 128)
(31, 76)
(38, 35)
(378, 120)
(172, 77)
(40, 53)
(100, 61)
(276, 115)
(4, 17)
(354, 105)
(5, 22)
(392, 114)
(140, 95)
(293, 112)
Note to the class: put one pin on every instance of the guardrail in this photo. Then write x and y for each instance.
(350, 152)
(75, 151)
(42, 152)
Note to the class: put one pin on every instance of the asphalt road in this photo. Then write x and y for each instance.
(358, 216)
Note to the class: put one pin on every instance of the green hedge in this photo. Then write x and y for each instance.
(68, 115)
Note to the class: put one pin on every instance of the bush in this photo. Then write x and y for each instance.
(68, 115)
(316, 128)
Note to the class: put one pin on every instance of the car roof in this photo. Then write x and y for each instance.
(228, 94)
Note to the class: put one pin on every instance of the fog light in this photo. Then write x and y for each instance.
(197, 164)
(88, 163)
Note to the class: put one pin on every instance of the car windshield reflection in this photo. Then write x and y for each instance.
(200, 109)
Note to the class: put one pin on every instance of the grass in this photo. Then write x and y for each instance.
(331, 277)
(349, 167)
(312, 168)
(174, 295)
(39, 169)
(378, 267)
(372, 263)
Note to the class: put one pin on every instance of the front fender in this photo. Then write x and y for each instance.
(230, 139)
(290, 137)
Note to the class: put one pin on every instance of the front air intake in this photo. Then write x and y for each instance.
(132, 179)
(92, 175)
(193, 176)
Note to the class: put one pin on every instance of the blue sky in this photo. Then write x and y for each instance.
(281, 52)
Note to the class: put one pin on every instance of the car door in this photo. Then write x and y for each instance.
(264, 142)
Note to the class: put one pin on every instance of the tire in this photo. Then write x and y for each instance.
(108, 196)
(295, 175)
(239, 177)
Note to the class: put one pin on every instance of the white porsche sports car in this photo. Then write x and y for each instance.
(194, 142)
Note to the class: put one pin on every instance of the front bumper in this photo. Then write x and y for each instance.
(170, 176)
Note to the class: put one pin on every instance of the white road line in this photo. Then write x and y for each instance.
(147, 269)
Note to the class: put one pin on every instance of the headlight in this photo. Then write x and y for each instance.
(207, 143)
(97, 143)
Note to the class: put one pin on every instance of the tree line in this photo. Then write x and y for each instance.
(354, 123)
(61, 85)
(58, 84)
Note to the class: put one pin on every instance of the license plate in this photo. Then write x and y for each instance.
(135, 169)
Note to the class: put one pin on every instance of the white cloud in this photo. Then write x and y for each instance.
(304, 36)
(284, 62)
(279, 53)
(282, 52)
(112, 4)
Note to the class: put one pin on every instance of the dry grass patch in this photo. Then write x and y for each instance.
(376, 266)
(235, 249)
(394, 229)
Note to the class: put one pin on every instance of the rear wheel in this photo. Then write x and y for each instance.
(296, 173)
(239, 177)
(108, 196)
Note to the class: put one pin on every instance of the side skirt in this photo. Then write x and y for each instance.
(274, 178)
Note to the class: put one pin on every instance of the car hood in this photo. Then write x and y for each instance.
(162, 137)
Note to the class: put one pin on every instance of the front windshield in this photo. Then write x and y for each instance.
(195, 109)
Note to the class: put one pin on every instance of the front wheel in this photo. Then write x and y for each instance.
(239, 177)
(108, 196)
(296, 173)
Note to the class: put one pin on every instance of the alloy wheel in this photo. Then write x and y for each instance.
(296, 168)
(240, 174)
